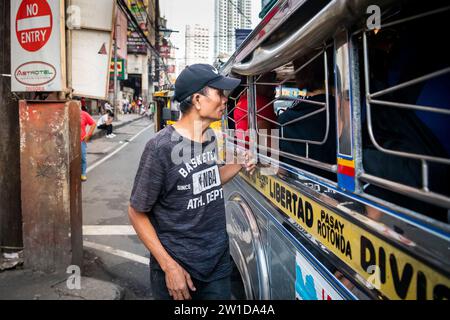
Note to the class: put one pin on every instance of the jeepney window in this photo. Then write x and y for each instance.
(302, 111)
(405, 80)
(237, 112)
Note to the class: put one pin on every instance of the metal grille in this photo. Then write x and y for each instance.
(287, 72)
(376, 98)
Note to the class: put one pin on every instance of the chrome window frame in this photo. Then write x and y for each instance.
(423, 194)
(325, 108)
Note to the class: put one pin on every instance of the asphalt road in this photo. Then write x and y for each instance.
(113, 252)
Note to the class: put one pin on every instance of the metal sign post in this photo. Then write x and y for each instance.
(50, 150)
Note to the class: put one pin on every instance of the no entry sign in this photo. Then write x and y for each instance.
(34, 23)
(37, 45)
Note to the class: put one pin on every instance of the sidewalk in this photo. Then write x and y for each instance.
(124, 119)
(22, 284)
(98, 282)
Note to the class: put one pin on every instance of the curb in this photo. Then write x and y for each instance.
(91, 289)
(100, 133)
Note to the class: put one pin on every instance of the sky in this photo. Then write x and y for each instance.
(180, 13)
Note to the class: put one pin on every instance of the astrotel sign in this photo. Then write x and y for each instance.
(37, 45)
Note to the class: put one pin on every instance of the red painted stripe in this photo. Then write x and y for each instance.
(271, 14)
(348, 171)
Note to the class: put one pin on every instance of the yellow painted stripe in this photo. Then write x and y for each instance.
(347, 163)
(394, 272)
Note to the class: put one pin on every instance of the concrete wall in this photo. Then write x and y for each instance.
(10, 209)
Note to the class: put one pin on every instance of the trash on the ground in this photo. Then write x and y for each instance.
(11, 260)
(11, 256)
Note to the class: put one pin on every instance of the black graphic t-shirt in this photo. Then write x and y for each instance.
(178, 185)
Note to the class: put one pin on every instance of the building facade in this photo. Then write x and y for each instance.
(229, 16)
(197, 44)
(139, 67)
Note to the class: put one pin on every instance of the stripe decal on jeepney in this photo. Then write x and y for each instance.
(346, 174)
(310, 284)
(393, 272)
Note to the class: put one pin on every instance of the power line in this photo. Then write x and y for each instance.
(141, 33)
(148, 19)
(139, 9)
(240, 11)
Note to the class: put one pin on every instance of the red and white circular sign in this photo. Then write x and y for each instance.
(34, 22)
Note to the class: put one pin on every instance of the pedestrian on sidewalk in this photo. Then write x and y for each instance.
(152, 110)
(143, 110)
(177, 203)
(125, 105)
(105, 123)
(86, 120)
(108, 107)
(83, 104)
(139, 106)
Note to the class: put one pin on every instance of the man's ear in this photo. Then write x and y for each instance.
(196, 101)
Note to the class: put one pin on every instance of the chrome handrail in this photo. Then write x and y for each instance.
(308, 37)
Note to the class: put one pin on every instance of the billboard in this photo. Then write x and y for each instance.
(164, 51)
(120, 69)
(91, 48)
(122, 34)
(135, 43)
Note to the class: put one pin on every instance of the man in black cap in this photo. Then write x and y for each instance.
(177, 203)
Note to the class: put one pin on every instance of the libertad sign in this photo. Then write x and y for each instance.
(37, 49)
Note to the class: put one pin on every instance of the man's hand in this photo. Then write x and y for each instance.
(178, 282)
(86, 138)
(249, 162)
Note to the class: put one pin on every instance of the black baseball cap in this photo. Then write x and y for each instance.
(197, 76)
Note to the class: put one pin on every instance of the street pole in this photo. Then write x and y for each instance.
(157, 40)
(116, 107)
(10, 203)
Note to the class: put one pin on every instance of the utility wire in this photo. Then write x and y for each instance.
(152, 22)
(240, 11)
(141, 33)
(139, 6)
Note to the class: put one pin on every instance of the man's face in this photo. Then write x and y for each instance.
(213, 104)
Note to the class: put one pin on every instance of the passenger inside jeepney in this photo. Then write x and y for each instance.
(265, 115)
(310, 80)
(396, 57)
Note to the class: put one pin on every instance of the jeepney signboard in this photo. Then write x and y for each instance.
(37, 46)
(395, 273)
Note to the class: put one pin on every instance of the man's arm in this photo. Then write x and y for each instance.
(89, 134)
(91, 124)
(177, 279)
(229, 171)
